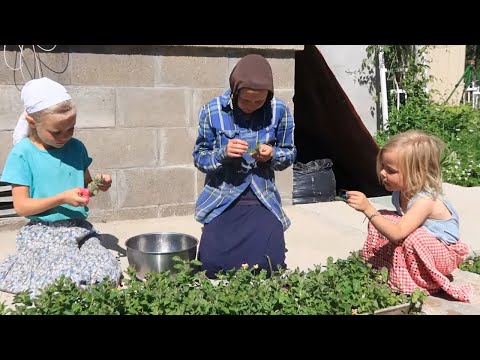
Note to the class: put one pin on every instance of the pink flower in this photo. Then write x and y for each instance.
(86, 194)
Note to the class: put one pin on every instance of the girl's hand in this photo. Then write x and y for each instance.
(74, 197)
(358, 200)
(264, 154)
(236, 148)
(106, 183)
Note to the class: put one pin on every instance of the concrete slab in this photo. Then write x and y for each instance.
(444, 305)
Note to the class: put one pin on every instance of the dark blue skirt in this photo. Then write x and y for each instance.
(246, 233)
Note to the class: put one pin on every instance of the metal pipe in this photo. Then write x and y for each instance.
(383, 88)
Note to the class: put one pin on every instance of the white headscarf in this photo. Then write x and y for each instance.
(38, 94)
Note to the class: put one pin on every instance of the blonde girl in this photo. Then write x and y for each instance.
(48, 170)
(420, 242)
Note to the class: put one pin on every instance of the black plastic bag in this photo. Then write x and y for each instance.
(313, 182)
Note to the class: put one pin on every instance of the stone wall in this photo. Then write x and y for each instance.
(137, 114)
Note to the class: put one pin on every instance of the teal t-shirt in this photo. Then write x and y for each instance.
(48, 173)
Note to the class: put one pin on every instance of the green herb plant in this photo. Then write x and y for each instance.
(93, 185)
(336, 288)
(256, 150)
(471, 264)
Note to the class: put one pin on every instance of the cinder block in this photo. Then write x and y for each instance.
(104, 200)
(144, 212)
(176, 146)
(112, 70)
(55, 66)
(5, 147)
(284, 183)
(287, 97)
(155, 107)
(283, 70)
(120, 148)
(176, 210)
(202, 72)
(144, 187)
(260, 47)
(99, 216)
(200, 182)
(200, 98)
(11, 107)
(95, 106)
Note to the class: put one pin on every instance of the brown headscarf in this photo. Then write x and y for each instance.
(253, 72)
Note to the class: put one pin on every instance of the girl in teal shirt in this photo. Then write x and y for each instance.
(48, 171)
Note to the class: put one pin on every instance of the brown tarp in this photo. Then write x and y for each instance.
(327, 126)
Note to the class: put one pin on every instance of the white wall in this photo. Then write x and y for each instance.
(447, 65)
(345, 62)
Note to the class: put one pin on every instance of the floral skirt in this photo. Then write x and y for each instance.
(46, 251)
(421, 261)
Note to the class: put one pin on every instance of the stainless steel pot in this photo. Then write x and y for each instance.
(154, 252)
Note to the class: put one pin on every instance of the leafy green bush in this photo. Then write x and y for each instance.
(458, 126)
(337, 289)
(471, 264)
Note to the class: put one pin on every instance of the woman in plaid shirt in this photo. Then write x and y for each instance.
(244, 136)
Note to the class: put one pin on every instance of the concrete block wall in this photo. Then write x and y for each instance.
(137, 115)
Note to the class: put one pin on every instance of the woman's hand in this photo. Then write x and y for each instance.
(264, 154)
(236, 148)
(106, 183)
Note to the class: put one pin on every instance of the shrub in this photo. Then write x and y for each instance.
(340, 287)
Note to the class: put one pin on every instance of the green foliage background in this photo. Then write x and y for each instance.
(458, 126)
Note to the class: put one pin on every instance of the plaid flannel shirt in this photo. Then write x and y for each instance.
(227, 178)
